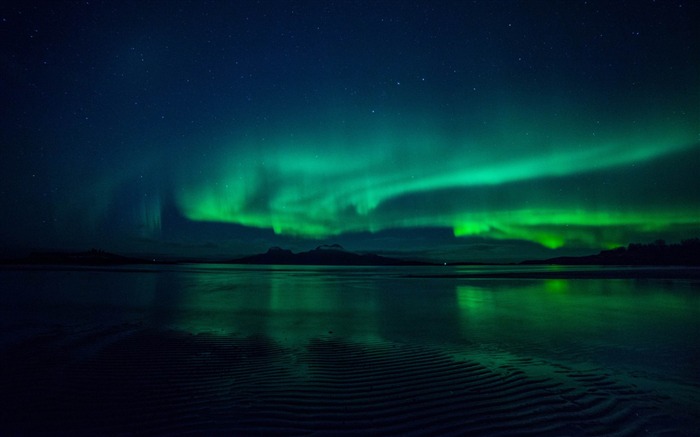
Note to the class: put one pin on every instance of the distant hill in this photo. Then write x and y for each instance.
(92, 257)
(687, 253)
(333, 255)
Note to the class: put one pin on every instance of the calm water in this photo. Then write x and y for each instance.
(644, 331)
(636, 322)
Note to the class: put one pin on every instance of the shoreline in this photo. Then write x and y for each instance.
(130, 378)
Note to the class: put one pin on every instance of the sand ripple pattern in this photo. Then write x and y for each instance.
(133, 380)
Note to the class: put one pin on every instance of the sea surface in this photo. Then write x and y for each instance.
(208, 349)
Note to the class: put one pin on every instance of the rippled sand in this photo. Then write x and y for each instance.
(138, 380)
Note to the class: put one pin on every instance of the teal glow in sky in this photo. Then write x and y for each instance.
(463, 130)
(325, 186)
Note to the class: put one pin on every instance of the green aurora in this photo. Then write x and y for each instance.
(538, 181)
(459, 130)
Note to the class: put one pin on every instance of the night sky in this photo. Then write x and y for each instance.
(486, 130)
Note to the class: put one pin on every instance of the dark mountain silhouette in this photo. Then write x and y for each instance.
(93, 257)
(333, 255)
(659, 253)
(687, 253)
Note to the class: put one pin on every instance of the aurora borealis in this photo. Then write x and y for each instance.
(460, 130)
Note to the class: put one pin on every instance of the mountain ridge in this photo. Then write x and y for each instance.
(685, 253)
(323, 255)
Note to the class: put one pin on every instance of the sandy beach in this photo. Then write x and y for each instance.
(129, 379)
(221, 350)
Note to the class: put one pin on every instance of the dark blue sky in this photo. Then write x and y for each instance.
(495, 130)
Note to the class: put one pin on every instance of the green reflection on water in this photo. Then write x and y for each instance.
(556, 285)
(628, 320)
(286, 304)
(621, 319)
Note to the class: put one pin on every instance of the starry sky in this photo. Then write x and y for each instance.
(464, 130)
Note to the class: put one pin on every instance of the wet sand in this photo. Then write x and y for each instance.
(133, 379)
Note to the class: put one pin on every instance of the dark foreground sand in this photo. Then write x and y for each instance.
(130, 379)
